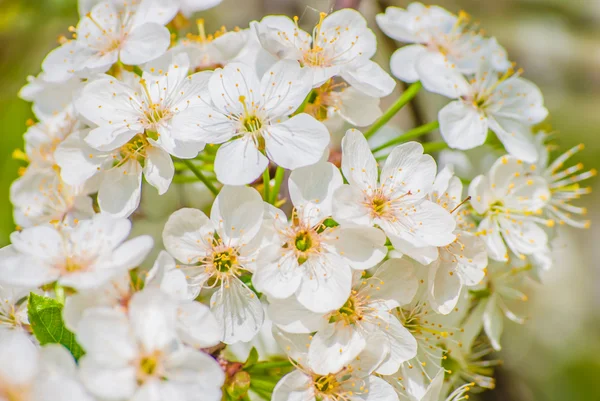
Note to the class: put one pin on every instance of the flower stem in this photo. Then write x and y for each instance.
(266, 184)
(408, 135)
(406, 97)
(271, 365)
(200, 176)
(434, 146)
(279, 173)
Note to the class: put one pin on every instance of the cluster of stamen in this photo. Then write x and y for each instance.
(148, 366)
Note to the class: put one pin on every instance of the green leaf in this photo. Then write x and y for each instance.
(45, 316)
(252, 358)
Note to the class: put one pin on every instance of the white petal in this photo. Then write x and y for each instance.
(311, 190)
(370, 79)
(120, 191)
(348, 207)
(197, 326)
(145, 43)
(440, 76)
(152, 316)
(77, 160)
(284, 86)
(493, 322)
(462, 126)
(481, 196)
(291, 316)
(362, 247)
(238, 214)
(239, 162)
(357, 108)
(333, 347)
(444, 286)
(490, 232)
(238, 310)
(404, 60)
(328, 287)
(108, 383)
(280, 278)
(186, 234)
(227, 85)
(516, 138)
(16, 347)
(358, 164)
(297, 142)
(407, 169)
(403, 345)
(379, 390)
(397, 283)
(295, 386)
(158, 169)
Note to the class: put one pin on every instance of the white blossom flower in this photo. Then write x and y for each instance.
(249, 118)
(50, 98)
(415, 386)
(83, 257)
(37, 374)
(366, 315)
(354, 382)
(396, 201)
(508, 105)
(13, 312)
(563, 184)
(341, 45)
(132, 33)
(460, 263)
(511, 201)
(309, 260)
(216, 251)
(137, 355)
(189, 7)
(436, 34)
(40, 196)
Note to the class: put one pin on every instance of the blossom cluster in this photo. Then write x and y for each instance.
(298, 258)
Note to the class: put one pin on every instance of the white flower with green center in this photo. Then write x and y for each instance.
(506, 104)
(34, 374)
(436, 34)
(394, 200)
(511, 202)
(339, 336)
(83, 257)
(341, 45)
(356, 381)
(250, 119)
(132, 33)
(137, 354)
(310, 260)
(217, 252)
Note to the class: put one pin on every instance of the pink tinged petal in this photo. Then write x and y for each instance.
(358, 164)
(197, 326)
(361, 247)
(348, 207)
(333, 347)
(295, 386)
(438, 75)
(463, 126)
(120, 191)
(145, 43)
(490, 232)
(105, 382)
(281, 278)
(152, 315)
(407, 169)
(284, 87)
(291, 316)
(326, 284)
(444, 286)
(187, 235)
(493, 322)
(370, 79)
(311, 190)
(357, 108)
(239, 162)
(158, 169)
(297, 142)
(394, 283)
(238, 311)
(516, 138)
(238, 214)
(106, 336)
(404, 60)
(480, 193)
(229, 83)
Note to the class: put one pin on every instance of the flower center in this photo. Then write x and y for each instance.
(72, 265)
(303, 241)
(326, 386)
(351, 312)
(224, 261)
(135, 149)
(148, 366)
(252, 123)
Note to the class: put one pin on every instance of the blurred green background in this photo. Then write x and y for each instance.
(555, 357)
